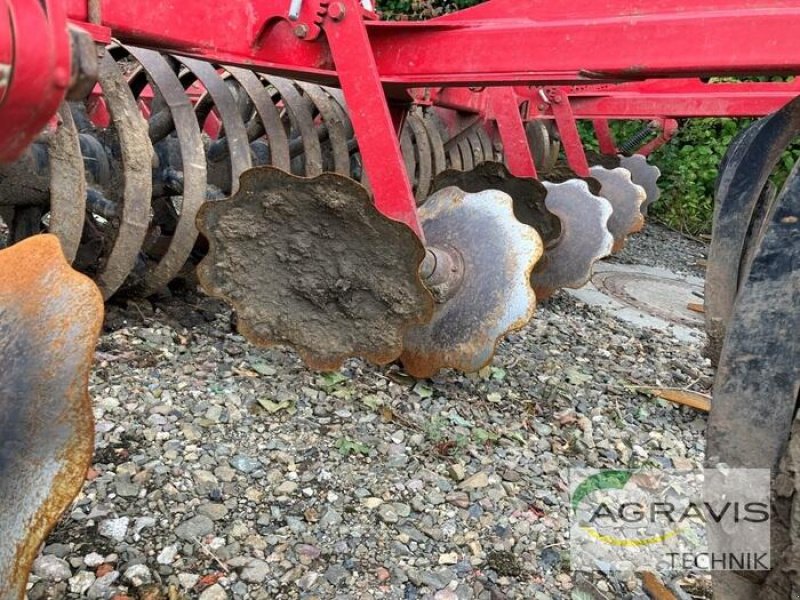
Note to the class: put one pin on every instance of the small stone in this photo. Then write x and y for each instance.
(383, 574)
(215, 592)
(476, 482)
(205, 482)
(336, 574)
(188, 580)
(60, 550)
(457, 471)
(102, 586)
(330, 518)
(458, 499)
(52, 568)
(196, 527)
(116, 529)
(214, 511)
(149, 591)
(167, 555)
(81, 581)
(142, 523)
(388, 514)
(372, 502)
(286, 488)
(225, 473)
(682, 464)
(93, 559)
(214, 413)
(308, 581)
(103, 569)
(256, 571)
(137, 575)
(307, 552)
(243, 463)
(450, 558)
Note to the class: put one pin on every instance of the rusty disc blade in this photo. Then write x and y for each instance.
(528, 195)
(50, 317)
(645, 175)
(311, 263)
(584, 240)
(626, 200)
(494, 296)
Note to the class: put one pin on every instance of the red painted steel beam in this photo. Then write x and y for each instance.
(505, 110)
(499, 42)
(673, 98)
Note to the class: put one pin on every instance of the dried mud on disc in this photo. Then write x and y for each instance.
(311, 263)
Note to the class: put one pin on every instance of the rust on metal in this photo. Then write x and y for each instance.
(137, 188)
(584, 239)
(50, 318)
(626, 200)
(67, 184)
(528, 195)
(312, 264)
(495, 256)
(193, 162)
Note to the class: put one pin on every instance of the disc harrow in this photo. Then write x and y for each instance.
(162, 136)
(419, 223)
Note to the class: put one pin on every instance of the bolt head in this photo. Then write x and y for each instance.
(336, 11)
(301, 31)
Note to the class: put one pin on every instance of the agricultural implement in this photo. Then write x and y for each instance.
(355, 187)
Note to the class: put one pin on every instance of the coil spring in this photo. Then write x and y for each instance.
(632, 144)
(129, 167)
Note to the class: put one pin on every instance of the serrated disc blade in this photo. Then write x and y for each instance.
(311, 263)
(498, 254)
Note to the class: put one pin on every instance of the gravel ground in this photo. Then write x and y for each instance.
(226, 471)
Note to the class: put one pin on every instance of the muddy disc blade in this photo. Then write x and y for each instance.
(584, 240)
(50, 318)
(497, 254)
(311, 263)
(626, 200)
(645, 175)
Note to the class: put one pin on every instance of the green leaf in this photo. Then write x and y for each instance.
(331, 380)
(263, 368)
(347, 446)
(577, 377)
(457, 419)
(372, 401)
(422, 391)
(484, 435)
(498, 373)
(274, 407)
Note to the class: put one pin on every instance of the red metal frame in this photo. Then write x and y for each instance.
(35, 57)
(612, 39)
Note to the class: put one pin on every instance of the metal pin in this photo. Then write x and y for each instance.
(294, 9)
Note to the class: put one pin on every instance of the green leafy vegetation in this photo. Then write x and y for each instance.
(420, 9)
(689, 166)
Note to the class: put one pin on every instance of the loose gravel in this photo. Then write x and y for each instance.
(223, 471)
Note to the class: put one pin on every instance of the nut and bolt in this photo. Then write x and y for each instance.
(301, 31)
(336, 11)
